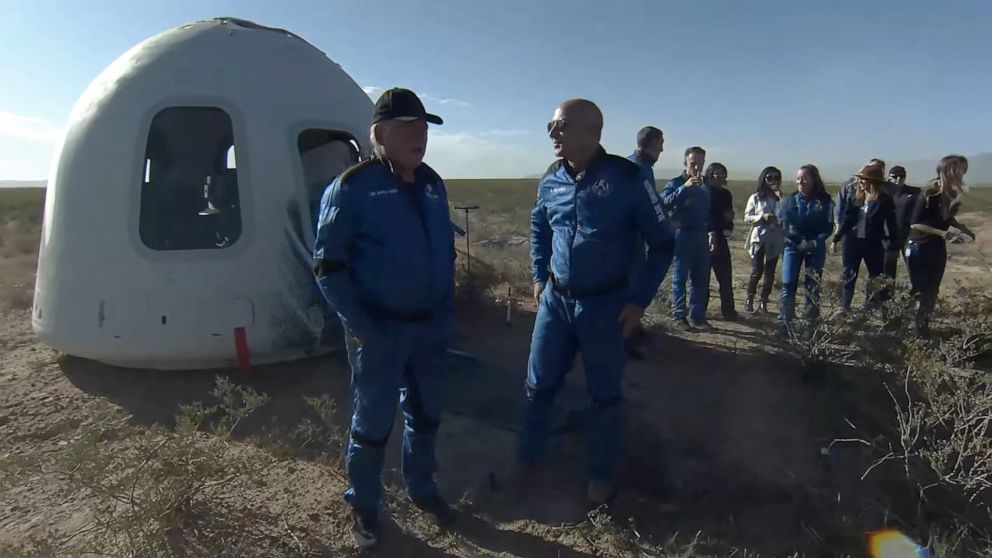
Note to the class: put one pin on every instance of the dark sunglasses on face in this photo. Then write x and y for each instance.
(773, 178)
(560, 125)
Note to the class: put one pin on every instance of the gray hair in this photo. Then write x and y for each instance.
(374, 142)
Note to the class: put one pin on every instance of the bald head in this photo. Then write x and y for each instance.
(575, 131)
(584, 112)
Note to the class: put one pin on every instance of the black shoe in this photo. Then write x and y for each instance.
(681, 324)
(763, 307)
(749, 305)
(731, 316)
(438, 509)
(364, 529)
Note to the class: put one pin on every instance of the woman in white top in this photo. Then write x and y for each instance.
(766, 240)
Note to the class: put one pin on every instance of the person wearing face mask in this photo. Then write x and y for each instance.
(765, 242)
(720, 228)
(686, 199)
(807, 219)
(590, 207)
(384, 259)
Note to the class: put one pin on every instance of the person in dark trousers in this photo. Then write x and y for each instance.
(868, 224)
(807, 218)
(590, 206)
(720, 228)
(384, 258)
(765, 241)
(650, 145)
(929, 233)
(686, 199)
(904, 198)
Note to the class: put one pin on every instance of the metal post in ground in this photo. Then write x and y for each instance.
(468, 237)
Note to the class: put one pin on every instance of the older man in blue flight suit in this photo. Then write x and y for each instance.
(589, 208)
(384, 258)
(686, 199)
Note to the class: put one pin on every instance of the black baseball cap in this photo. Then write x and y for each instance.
(402, 104)
(897, 171)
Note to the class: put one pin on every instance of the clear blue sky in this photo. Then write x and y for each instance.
(778, 82)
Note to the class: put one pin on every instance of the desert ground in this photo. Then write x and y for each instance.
(737, 443)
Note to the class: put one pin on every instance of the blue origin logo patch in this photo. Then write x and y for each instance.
(602, 188)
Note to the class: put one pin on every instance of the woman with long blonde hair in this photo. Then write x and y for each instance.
(932, 216)
(867, 223)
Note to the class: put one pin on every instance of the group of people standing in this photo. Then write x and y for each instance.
(877, 221)
(602, 240)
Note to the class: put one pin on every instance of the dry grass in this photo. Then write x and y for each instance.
(163, 492)
(18, 263)
(20, 232)
(156, 489)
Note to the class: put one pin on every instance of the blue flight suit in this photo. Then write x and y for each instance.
(385, 257)
(646, 164)
(689, 209)
(332, 326)
(809, 221)
(844, 196)
(647, 173)
(582, 240)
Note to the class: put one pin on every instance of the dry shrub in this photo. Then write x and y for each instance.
(18, 238)
(946, 413)
(159, 492)
(17, 282)
(18, 262)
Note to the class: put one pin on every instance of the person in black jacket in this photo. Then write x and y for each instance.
(720, 228)
(904, 198)
(926, 253)
(867, 223)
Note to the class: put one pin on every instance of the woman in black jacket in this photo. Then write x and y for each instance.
(932, 216)
(867, 224)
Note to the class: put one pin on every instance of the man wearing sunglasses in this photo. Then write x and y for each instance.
(904, 197)
(590, 207)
